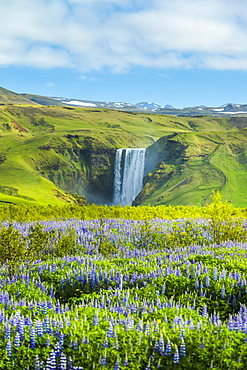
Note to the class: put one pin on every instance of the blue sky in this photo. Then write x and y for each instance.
(179, 52)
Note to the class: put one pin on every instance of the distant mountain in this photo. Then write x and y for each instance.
(229, 109)
(168, 106)
(95, 104)
(202, 110)
(152, 106)
(148, 106)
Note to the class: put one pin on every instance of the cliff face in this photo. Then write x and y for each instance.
(98, 174)
(79, 165)
(163, 159)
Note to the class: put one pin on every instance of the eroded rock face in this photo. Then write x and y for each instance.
(98, 174)
(79, 165)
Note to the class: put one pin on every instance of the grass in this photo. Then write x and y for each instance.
(210, 161)
(47, 147)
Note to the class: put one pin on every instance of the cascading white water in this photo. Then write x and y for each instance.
(128, 175)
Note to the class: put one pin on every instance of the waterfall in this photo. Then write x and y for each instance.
(128, 175)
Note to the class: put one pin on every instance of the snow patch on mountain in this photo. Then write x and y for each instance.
(80, 103)
(148, 105)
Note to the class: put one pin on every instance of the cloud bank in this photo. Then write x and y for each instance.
(120, 34)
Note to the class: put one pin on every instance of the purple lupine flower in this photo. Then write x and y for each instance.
(176, 358)
(105, 344)
(51, 361)
(156, 346)
(46, 324)
(9, 348)
(215, 274)
(58, 307)
(223, 291)
(63, 362)
(168, 349)
(207, 282)
(96, 319)
(21, 328)
(204, 311)
(58, 348)
(17, 340)
(182, 349)
(110, 331)
(7, 331)
(39, 328)
(103, 360)
(37, 363)
(161, 346)
(117, 366)
(147, 329)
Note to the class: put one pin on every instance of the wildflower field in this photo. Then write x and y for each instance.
(124, 293)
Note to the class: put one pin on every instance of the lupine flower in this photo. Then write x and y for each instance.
(9, 348)
(103, 360)
(197, 284)
(110, 332)
(105, 344)
(176, 358)
(168, 349)
(96, 319)
(39, 328)
(182, 349)
(17, 340)
(63, 362)
(117, 365)
(7, 331)
(37, 363)
(51, 362)
(204, 311)
(223, 292)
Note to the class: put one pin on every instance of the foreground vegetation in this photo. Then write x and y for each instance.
(92, 211)
(115, 293)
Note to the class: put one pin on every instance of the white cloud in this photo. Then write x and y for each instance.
(118, 34)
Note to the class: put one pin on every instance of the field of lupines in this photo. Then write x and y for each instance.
(124, 294)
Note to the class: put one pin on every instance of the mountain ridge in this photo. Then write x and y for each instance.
(225, 110)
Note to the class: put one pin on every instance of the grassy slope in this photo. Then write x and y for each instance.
(26, 130)
(9, 97)
(208, 161)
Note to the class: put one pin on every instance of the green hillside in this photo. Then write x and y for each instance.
(9, 97)
(49, 153)
(191, 165)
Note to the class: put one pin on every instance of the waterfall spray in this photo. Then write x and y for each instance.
(128, 172)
